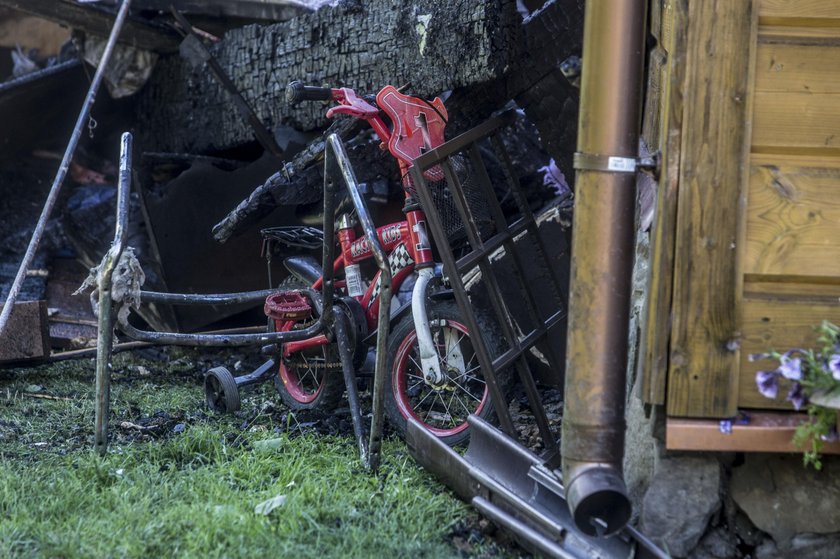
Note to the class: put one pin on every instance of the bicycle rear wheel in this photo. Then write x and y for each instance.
(308, 379)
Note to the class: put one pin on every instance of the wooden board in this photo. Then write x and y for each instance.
(817, 12)
(793, 216)
(702, 380)
(764, 432)
(656, 323)
(796, 123)
(26, 335)
(793, 68)
(782, 322)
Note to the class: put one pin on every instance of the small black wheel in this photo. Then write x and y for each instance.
(442, 409)
(220, 391)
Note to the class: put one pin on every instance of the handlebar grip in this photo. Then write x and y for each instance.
(297, 92)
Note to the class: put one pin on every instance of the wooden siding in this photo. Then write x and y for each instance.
(793, 217)
(745, 249)
(791, 253)
(662, 128)
(703, 359)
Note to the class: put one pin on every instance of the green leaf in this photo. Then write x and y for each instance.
(269, 505)
(826, 398)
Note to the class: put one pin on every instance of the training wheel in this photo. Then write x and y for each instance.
(220, 390)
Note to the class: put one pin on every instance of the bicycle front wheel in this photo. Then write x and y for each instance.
(443, 408)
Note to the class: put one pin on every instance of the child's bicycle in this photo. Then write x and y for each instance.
(427, 369)
(433, 375)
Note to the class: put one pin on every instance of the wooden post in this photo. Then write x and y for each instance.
(705, 337)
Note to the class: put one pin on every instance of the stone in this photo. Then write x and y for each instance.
(783, 498)
(746, 530)
(801, 546)
(718, 543)
(682, 497)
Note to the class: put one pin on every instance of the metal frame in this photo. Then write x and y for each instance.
(506, 237)
(331, 319)
(515, 488)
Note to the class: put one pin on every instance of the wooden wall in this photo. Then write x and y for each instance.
(791, 249)
(745, 252)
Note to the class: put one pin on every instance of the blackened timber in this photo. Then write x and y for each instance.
(98, 20)
(360, 45)
(272, 10)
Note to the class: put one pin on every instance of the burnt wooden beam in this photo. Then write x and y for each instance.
(360, 45)
(268, 10)
(98, 20)
(477, 49)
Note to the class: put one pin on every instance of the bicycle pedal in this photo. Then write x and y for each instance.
(287, 305)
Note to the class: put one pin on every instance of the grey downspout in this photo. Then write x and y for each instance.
(602, 261)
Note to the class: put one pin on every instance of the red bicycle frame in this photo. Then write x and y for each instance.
(418, 126)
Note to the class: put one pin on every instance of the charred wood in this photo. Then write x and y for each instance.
(364, 46)
(273, 10)
(436, 46)
(98, 20)
(300, 182)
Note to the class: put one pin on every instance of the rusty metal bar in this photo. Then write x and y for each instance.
(345, 355)
(52, 197)
(602, 261)
(336, 148)
(104, 341)
(205, 298)
(221, 340)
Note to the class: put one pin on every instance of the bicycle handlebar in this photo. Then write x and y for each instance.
(297, 92)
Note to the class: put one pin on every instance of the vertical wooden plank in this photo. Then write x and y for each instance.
(703, 375)
(656, 321)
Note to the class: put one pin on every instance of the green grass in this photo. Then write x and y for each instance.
(192, 491)
(195, 496)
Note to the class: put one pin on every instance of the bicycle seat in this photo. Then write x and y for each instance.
(295, 235)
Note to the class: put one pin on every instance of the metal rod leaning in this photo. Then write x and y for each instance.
(14, 291)
(336, 149)
(105, 338)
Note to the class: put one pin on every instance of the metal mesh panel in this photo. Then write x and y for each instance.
(445, 206)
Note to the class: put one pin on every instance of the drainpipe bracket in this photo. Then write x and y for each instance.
(616, 163)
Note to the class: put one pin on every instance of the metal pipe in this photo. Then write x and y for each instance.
(63, 168)
(383, 329)
(602, 259)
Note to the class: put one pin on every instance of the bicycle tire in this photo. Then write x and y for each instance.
(407, 394)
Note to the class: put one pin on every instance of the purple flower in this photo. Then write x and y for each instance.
(790, 368)
(796, 396)
(834, 366)
(831, 436)
(767, 383)
(726, 426)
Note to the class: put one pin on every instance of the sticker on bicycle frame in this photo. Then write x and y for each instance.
(398, 260)
(353, 275)
(422, 236)
(390, 234)
(360, 248)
